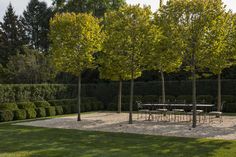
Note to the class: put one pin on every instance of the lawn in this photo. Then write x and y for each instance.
(32, 141)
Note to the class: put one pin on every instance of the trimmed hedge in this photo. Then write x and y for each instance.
(42, 104)
(205, 98)
(67, 109)
(41, 112)
(59, 110)
(6, 115)
(19, 114)
(50, 111)
(26, 105)
(36, 92)
(229, 108)
(30, 113)
(8, 106)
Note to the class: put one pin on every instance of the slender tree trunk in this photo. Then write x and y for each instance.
(219, 93)
(119, 96)
(131, 98)
(79, 97)
(163, 88)
(194, 91)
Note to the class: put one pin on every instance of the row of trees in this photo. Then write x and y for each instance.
(26, 36)
(194, 34)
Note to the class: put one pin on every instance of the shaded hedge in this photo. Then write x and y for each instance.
(8, 106)
(59, 110)
(26, 105)
(30, 113)
(19, 114)
(50, 111)
(41, 112)
(6, 115)
(42, 104)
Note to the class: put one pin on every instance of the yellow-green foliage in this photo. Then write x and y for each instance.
(75, 39)
(126, 31)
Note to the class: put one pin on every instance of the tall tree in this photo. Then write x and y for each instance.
(111, 61)
(98, 8)
(127, 36)
(192, 19)
(30, 67)
(36, 22)
(162, 55)
(12, 35)
(75, 40)
(219, 47)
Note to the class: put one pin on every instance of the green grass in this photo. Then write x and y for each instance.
(33, 141)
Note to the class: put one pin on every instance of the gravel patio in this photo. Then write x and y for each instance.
(113, 122)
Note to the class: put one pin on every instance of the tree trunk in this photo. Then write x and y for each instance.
(131, 98)
(219, 93)
(79, 97)
(119, 96)
(194, 91)
(163, 88)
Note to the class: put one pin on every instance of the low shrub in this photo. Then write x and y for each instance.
(8, 106)
(50, 111)
(30, 113)
(169, 98)
(41, 112)
(205, 99)
(228, 98)
(229, 107)
(42, 104)
(67, 109)
(59, 110)
(186, 98)
(150, 99)
(6, 115)
(26, 105)
(62, 102)
(19, 114)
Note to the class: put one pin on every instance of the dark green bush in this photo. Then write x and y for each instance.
(187, 98)
(6, 115)
(205, 98)
(228, 98)
(26, 105)
(8, 106)
(169, 98)
(42, 104)
(229, 107)
(150, 99)
(41, 112)
(19, 114)
(59, 110)
(30, 113)
(67, 109)
(50, 111)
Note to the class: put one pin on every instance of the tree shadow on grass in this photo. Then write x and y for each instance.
(36, 141)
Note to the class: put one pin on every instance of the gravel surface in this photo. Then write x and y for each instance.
(113, 122)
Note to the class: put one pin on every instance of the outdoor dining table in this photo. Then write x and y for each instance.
(206, 106)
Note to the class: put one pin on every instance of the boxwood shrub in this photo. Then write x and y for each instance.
(150, 99)
(59, 110)
(26, 105)
(42, 104)
(8, 106)
(41, 112)
(50, 111)
(30, 113)
(19, 114)
(67, 109)
(205, 99)
(6, 115)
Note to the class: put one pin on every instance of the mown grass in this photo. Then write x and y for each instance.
(22, 141)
